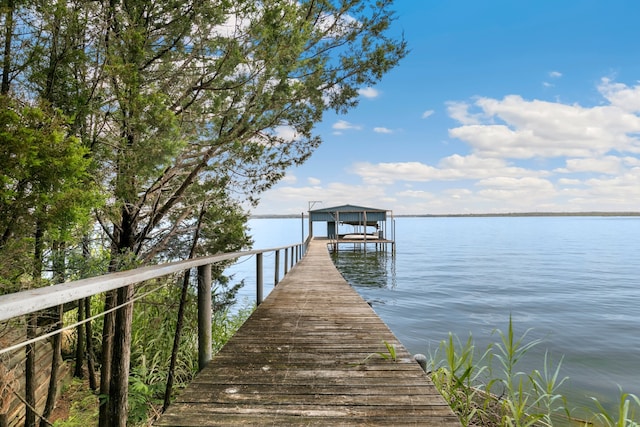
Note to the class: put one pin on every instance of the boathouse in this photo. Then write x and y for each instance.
(356, 224)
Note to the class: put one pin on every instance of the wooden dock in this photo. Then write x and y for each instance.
(309, 355)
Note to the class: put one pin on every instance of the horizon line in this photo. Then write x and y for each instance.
(504, 214)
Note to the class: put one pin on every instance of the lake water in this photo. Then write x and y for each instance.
(574, 281)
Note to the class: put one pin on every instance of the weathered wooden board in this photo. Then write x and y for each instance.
(313, 353)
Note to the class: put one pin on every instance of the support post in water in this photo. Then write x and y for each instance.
(204, 315)
(259, 279)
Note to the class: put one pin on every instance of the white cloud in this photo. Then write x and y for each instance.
(314, 181)
(452, 168)
(415, 194)
(607, 165)
(508, 183)
(289, 179)
(631, 162)
(460, 112)
(287, 133)
(382, 130)
(345, 125)
(569, 182)
(620, 95)
(516, 191)
(624, 185)
(388, 173)
(458, 193)
(289, 199)
(427, 113)
(519, 129)
(368, 92)
(553, 75)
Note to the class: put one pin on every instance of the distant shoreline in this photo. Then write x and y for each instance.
(480, 215)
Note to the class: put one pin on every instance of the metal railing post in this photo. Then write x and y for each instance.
(204, 315)
(276, 274)
(259, 278)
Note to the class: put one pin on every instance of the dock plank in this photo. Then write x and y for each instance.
(311, 355)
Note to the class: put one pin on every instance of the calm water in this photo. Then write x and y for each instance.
(573, 280)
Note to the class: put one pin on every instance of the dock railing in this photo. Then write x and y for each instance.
(34, 300)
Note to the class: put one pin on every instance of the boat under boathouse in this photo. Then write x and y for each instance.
(356, 225)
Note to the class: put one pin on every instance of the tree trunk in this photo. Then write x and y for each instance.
(80, 336)
(8, 36)
(30, 373)
(107, 347)
(32, 326)
(91, 367)
(118, 396)
(116, 358)
(87, 331)
(58, 254)
(56, 358)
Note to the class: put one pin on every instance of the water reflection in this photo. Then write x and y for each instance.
(367, 269)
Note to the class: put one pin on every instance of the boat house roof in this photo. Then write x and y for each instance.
(349, 214)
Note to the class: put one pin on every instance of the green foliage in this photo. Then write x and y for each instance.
(84, 407)
(43, 169)
(44, 184)
(546, 384)
(525, 399)
(628, 412)
(519, 402)
(390, 354)
(456, 374)
(225, 324)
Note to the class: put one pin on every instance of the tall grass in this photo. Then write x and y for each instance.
(488, 389)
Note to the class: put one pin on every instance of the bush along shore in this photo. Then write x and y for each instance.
(487, 389)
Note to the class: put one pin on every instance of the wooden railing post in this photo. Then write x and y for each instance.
(259, 278)
(286, 261)
(204, 315)
(276, 273)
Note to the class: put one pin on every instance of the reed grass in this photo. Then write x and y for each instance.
(488, 389)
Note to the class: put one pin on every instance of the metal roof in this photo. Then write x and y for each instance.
(348, 208)
(349, 214)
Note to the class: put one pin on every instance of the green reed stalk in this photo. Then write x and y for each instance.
(628, 404)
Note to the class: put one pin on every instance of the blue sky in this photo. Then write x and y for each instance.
(501, 106)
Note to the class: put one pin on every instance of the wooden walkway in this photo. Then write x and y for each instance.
(308, 356)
